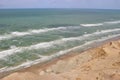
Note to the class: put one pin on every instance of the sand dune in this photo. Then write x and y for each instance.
(101, 63)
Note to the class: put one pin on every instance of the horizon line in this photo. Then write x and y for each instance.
(64, 8)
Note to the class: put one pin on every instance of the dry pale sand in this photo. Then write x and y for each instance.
(101, 63)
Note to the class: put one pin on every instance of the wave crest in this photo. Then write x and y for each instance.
(100, 24)
(31, 32)
(91, 25)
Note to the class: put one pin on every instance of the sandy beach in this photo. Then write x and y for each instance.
(100, 63)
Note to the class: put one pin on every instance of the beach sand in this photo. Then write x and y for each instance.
(100, 63)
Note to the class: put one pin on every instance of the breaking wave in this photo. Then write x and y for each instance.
(46, 45)
(113, 22)
(31, 32)
(100, 24)
(91, 25)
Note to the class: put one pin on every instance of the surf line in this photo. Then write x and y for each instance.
(44, 45)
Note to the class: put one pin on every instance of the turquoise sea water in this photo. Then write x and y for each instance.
(29, 36)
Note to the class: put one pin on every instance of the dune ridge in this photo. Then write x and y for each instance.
(100, 63)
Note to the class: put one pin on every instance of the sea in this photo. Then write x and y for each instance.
(32, 36)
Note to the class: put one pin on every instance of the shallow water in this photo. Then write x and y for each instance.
(32, 35)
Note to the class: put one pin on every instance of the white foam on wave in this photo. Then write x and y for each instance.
(31, 32)
(37, 31)
(60, 53)
(91, 25)
(113, 22)
(45, 45)
(100, 24)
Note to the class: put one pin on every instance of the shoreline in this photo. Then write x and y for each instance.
(67, 56)
(46, 64)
